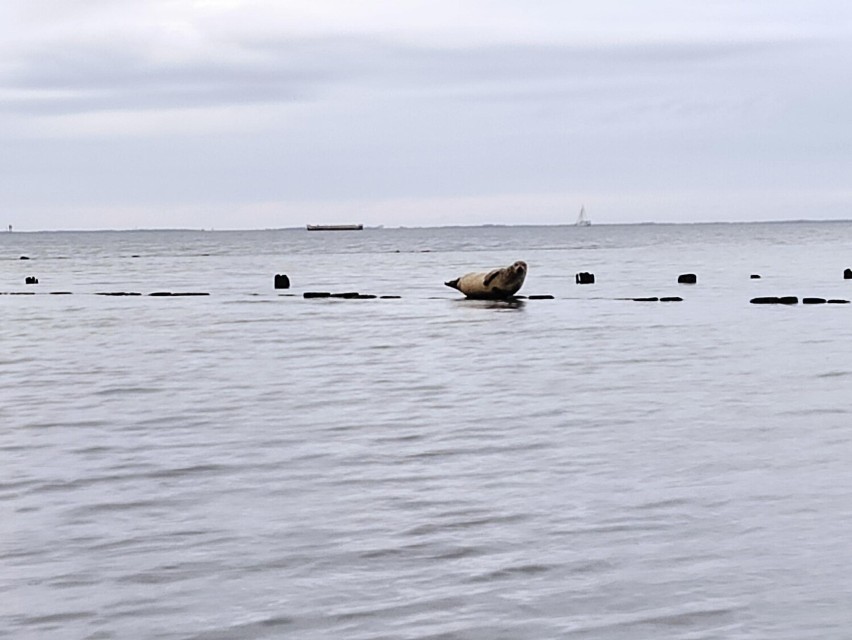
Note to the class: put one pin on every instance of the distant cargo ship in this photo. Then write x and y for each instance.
(335, 227)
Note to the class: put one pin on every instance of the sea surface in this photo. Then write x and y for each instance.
(254, 464)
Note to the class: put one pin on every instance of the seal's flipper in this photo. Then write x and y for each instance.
(453, 283)
(491, 275)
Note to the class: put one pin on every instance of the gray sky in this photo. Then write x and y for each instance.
(274, 113)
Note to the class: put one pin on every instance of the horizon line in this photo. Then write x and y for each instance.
(485, 225)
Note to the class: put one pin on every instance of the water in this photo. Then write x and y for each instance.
(252, 464)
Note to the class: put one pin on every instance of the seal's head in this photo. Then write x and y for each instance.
(507, 276)
(519, 269)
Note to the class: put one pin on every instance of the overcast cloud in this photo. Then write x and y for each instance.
(254, 114)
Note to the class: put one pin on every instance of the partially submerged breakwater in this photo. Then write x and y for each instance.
(283, 282)
(791, 300)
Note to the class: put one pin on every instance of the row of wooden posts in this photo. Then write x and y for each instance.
(282, 281)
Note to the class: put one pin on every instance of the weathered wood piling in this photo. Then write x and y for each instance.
(775, 300)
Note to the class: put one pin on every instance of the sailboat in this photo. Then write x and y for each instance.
(582, 220)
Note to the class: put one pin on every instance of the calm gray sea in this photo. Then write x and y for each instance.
(253, 464)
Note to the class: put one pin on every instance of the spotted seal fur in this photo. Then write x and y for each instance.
(498, 284)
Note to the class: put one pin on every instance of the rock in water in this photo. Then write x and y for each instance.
(498, 284)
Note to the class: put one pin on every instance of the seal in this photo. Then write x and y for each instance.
(498, 284)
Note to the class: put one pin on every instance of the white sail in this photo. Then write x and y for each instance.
(582, 220)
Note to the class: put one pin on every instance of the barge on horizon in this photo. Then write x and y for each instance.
(335, 227)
